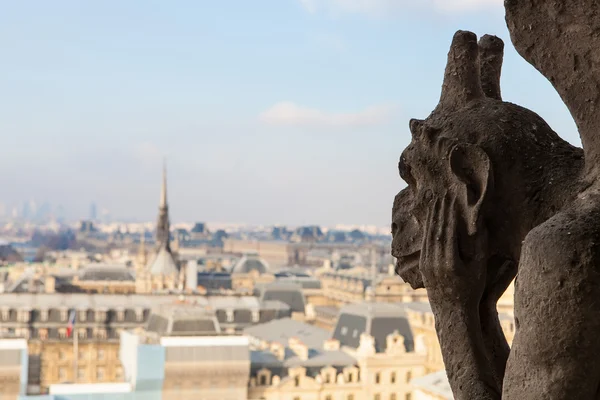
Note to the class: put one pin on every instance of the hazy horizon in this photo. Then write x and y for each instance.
(279, 111)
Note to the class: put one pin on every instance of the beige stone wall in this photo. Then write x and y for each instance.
(213, 381)
(98, 362)
(10, 379)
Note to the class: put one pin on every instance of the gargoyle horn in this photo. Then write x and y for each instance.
(491, 55)
(462, 82)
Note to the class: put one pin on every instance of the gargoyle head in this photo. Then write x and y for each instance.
(483, 153)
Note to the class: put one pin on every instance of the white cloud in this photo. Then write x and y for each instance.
(387, 7)
(291, 114)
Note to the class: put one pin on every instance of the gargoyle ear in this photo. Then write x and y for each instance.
(471, 166)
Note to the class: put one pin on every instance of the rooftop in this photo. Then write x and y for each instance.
(436, 383)
(282, 330)
(106, 272)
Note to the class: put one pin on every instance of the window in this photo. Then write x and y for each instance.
(263, 380)
(378, 378)
(24, 315)
(100, 374)
(120, 315)
(100, 316)
(62, 374)
(350, 377)
(328, 397)
(82, 333)
(82, 315)
(100, 354)
(43, 334)
(297, 398)
(44, 315)
(344, 330)
(408, 376)
(393, 377)
(139, 314)
(355, 333)
(81, 355)
(377, 397)
(5, 314)
(350, 397)
(63, 315)
(62, 333)
(327, 378)
(297, 381)
(393, 396)
(81, 374)
(100, 333)
(61, 355)
(255, 316)
(229, 315)
(408, 396)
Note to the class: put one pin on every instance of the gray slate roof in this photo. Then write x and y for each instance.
(288, 293)
(104, 272)
(183, 320)
(377, 319)
(281, 330)
(436, 383)
(250, 263)
(163, 263)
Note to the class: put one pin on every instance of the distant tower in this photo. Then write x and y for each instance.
(163, 262)
(93, 212)
(162, 226)
(142, 258)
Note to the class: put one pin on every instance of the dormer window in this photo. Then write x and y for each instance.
(23, 315)
(100, 333)
(100, 315)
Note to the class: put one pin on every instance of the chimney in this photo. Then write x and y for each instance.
(331, 345)
(278, 350)
(299, 348)
(49, 284)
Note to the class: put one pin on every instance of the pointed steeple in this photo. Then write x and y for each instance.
(163, 191)
(162, 225)
(163, 262)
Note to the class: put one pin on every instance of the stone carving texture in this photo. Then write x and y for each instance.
(493, 190)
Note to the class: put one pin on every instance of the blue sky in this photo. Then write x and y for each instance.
(268, 111)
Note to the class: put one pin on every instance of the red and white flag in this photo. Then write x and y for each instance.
(71, 323)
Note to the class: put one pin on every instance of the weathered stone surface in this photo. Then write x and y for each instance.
(493, 190)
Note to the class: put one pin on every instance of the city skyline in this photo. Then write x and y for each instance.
(300, 127)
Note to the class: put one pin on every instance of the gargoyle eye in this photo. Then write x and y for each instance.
(405, 172)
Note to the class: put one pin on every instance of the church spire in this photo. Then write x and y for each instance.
(162, 225)
(163, 191)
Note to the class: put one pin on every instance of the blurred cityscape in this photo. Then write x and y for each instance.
(101, 309)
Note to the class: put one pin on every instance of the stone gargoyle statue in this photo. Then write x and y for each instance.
(494, 193)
